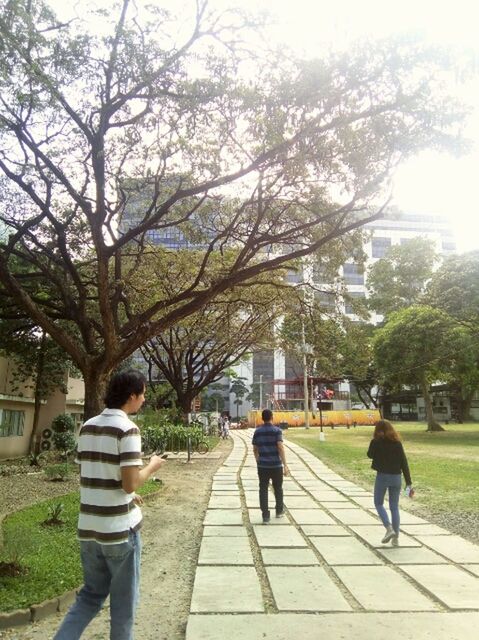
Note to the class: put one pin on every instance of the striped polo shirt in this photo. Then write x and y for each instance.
(266, 438)
(106, 443)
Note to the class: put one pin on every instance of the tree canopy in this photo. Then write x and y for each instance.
(129, 125)
(399, 279)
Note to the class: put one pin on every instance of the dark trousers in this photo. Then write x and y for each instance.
(275, 474)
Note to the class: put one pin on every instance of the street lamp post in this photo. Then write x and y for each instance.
(305, 377)
(260, 391)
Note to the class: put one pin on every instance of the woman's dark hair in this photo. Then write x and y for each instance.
(385, 431)
(267, 415)
(121, 386)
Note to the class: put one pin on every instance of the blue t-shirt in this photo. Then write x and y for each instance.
(266, 438)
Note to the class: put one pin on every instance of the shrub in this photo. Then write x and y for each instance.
(63, 427)
(59, 472)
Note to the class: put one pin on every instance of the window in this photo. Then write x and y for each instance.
(326, 299)
(11, 423)
(349, 304)
(380, 246)
(353, 274)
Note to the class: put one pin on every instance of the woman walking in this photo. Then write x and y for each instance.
(389, 460)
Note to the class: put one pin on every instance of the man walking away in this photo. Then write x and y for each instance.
(271, 460)
(109, 454)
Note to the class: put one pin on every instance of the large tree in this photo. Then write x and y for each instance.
(415, 348)
(454, 288)
(195, 353)
(129, 122)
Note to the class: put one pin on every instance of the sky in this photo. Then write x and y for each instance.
(432, 182)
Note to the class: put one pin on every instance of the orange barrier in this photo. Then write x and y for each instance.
(330, 418)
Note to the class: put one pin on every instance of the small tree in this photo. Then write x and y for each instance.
(63, 427)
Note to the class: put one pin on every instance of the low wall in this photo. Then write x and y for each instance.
(330, 418)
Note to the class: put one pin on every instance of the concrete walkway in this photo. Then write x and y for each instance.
(321, 571)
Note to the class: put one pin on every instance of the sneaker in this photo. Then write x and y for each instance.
(266, 519)
(395, 540)
(388, 535)
(280, 514)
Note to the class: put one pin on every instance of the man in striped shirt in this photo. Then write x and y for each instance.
(109, 454)
(271, 461)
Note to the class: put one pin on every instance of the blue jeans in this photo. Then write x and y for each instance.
(108, 569)
(392, 483)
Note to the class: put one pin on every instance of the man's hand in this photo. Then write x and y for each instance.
(155, 463)
(137, 499)
(285, 470)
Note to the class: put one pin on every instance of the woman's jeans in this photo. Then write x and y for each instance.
(392, 483)
(108, 569)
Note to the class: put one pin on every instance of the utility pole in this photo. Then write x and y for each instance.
(260, 391)
(305, 376)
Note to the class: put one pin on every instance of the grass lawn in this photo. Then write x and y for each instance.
(50, 554)
(444, 465)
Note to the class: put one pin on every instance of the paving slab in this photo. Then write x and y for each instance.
(311, 516)
(288, 536)
(410, 518)
(339, 550)
(354, 516)
(305, 589)
(453, 586)
(324, 530)
(411, 555)
(300, 502)
(424, 529)
(224, 502)
(321, 494)
(383, 589)
(473, 568)
(222, 551)
(223, 516)
(256, 517)
(226, 531)
(335, 626)
(287, 556)
(453, 547)
(337, 504)
(373, 534)
(226, 589)
(221, 486)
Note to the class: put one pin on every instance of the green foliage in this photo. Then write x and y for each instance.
(413, 346)
(49, 554)
(158, 435)
(454, 288)
(59, 472)
(55, 511)
(63, 423)
(399, 279)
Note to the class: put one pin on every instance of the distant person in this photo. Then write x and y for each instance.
(389, 461)
(225, 428)
(109, 454)
(271, 461)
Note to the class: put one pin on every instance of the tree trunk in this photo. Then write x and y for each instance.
(465, 406)
(95, 388)
(432, 424)
(35, 438)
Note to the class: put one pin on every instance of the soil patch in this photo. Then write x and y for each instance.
(171, 537)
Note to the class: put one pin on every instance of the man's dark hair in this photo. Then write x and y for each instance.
(267, 415)
(121, 386)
